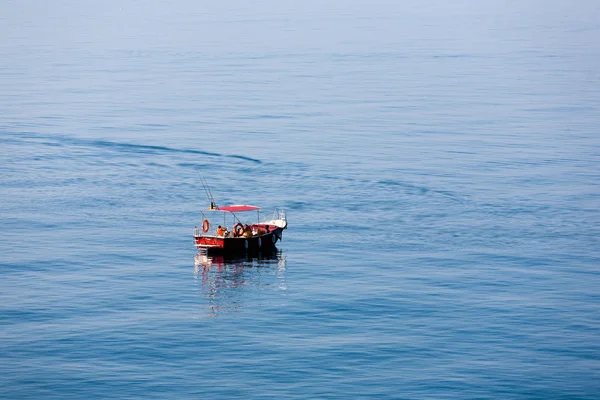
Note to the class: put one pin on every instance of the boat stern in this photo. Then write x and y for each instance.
(207, 242)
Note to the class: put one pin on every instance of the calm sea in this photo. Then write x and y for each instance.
(439, 163)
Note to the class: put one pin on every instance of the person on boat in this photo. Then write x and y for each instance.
(220, 231)
(247, 231)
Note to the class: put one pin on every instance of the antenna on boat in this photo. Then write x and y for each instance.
(213, 205)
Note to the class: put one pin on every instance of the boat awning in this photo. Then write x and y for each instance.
(238, 208)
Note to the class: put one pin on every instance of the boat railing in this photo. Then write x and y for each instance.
(279, 214)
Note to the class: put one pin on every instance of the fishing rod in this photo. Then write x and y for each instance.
(213, 205)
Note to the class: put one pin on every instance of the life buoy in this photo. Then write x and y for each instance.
(205, 225)
(238, 229)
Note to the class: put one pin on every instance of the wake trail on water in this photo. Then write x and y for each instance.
(131, 147)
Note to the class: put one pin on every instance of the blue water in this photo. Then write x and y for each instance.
(439, 163)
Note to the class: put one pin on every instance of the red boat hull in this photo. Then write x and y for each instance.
(257, 243)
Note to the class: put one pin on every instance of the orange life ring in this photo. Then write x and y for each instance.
(205, 225)
(238, 229)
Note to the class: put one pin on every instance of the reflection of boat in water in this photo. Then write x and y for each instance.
(230, 283)
(261, 259)
(236, 236)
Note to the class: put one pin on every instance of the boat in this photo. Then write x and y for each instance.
(223, 230)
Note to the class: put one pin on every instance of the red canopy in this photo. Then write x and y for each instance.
(238, 208)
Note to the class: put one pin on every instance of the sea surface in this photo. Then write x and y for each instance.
(439, 164)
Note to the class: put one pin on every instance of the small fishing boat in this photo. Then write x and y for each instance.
(234, 235)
